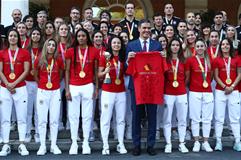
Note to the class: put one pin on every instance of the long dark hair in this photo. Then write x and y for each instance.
(76, 43)
(19, 39)
(121, 54)
(93, 35)
(231, 51)
(40, 43)
(179, 53)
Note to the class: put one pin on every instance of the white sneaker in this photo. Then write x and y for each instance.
(157, 134)
(206, 147)
(86, 148)
(121, 149)
(188, 135)
(36, 138)
(168, 148)
(22, 150)
(55, 150)
(218, 147)
(28, 138)
(105, 151)
(42, 150)
(73, 149)
(237, 147)
(5, 150)
(182, 148)
(175, 135)
(196, 147)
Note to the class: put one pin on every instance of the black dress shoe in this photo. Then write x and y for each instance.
(136, 151)
(151, 151)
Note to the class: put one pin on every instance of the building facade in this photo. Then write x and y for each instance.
(144, 8)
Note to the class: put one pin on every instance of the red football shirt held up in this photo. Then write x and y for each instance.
(147, 71)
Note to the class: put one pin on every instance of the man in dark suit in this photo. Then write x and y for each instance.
(144, 43)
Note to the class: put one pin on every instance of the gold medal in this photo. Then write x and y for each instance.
(131, 36)
(117, 81)
(205, 84)
(12, 75)
(175, 84)
(82, 74)
(49, 85)
(228, 81)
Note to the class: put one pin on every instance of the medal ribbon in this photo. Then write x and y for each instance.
(82, 63)
(227, 66)
(117, 68)
(167, 21)
(128, 27)
(12, 59)
(49, 69)
(24, 43)
(175, 69)
(62, 51)
(33, 57)
(204, 72)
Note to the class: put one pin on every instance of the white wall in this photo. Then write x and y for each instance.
(7, 6)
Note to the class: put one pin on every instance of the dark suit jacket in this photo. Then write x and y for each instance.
(135, 46)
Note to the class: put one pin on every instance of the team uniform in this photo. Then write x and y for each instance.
(32, 95)
(113, 96)
(48, 99)
(81, 89)
(173, 21)
(175, 95)
(227, 72)
(201, 101)
(20, 98)
(131, 28)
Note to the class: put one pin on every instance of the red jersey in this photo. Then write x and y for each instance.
(169, 78)
(92, 55)
(222, 74)
(211, 52)
(147, 71)
(113, 87)
(43, 74)
(196, 77)
(34, 54)
(22, 57)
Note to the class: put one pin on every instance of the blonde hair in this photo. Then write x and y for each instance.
(43, 58)
(69, 38)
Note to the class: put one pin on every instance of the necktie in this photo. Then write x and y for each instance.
(144, 46)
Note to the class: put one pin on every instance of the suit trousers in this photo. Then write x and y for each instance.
(136, 122)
